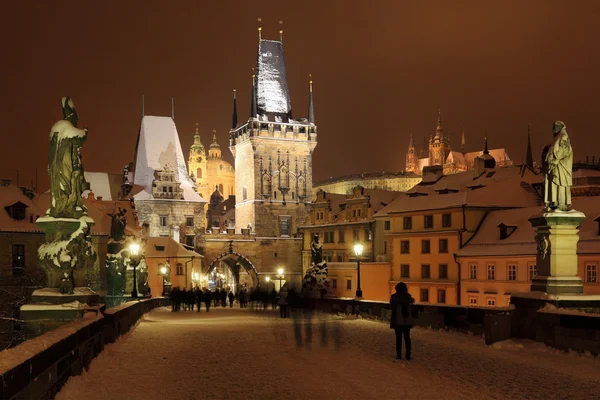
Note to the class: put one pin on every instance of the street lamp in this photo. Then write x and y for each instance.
(196, 278)
(163, 271)
(134, 250)
(268, 279)
(358, 250)
(280, 276)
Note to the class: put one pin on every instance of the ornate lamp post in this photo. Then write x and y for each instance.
(268, 279)
(358, 250)
(134, 251)
(280, 276)
(163, 272)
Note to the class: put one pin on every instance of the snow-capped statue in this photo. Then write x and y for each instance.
(316, 276)
(557, 166)
(67, 181)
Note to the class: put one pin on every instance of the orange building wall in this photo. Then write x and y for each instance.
(155, 278)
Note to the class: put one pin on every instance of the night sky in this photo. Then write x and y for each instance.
(381, 70)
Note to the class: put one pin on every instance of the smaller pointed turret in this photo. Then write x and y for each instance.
(462, 140)
(215, 149)
(259, 28)
(281, 31)
(529, 156)
(253, 108)
(234, 119)
(311, 109)
(439, 132)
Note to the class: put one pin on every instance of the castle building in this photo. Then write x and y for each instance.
(273, 152)
(390, 181)
(438, 152)
(210, 172)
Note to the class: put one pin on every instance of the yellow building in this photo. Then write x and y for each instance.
(340, 221)
(210, 172)
(425, 227)
(501, 258)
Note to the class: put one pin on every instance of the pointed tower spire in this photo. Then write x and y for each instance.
(234, 119)
(281, 31)
(462, 140)
(253, 109)
(173, 108)
(529, 159)
(411, 142)
(485, 148)
(197, 141)
(311, 108)
(439, 132)
(259, 29)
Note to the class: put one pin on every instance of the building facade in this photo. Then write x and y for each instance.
(390, 181)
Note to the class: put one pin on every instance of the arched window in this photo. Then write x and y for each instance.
(179, 269)
(220, 188)
(199, 173)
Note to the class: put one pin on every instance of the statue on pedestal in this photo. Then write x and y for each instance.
(316, 276)
(557, 167)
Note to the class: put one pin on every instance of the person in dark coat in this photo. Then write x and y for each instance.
(199, 297)
(231, 297)
(401, 319)
(207, 297)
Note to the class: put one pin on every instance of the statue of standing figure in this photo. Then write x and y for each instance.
(557, 167)
(67, 181)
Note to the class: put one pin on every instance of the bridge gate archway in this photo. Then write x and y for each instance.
(237, 263)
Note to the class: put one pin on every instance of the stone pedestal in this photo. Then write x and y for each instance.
(557, 236)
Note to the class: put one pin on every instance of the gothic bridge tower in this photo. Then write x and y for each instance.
(272, 151)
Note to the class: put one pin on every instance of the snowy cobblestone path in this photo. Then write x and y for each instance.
(242, 354)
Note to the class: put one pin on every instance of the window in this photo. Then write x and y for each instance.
(358, 212)
(591, 273)
(163, 220)
(532, 271)
(425, 271)
(340, 258)
(292, 195)
(472, 301)
(385, 247)
(405, 271)
(441, 296)
(164, 189)
(189, 221)
(349, 284)
(386, 225)
(472, 271)
(407, 222)
(331, 237)
(425, 246)
(443, 245)
(428, 221)
(491, 302)
(274, 255)
(18, 259)
(446, 220)
(179, 269)
(405, 247)
(245, 193)
(512, 272)
(334, 283)
(424, 295)
(326, 239)
(367, 235)
(356, 235)
(354, 213)
(341, 237)
(275, 194)
(443, 271)
(285, 227)
(199, 173)
(491, 272)
(189, 240)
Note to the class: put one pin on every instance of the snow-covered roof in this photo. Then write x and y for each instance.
(159, 147)
(455, 157)
(423, 162)
(521, 241)
(104, 184)
(272, 93)
(163, 247)
(498, 154)
(10, 195)
(487, 190)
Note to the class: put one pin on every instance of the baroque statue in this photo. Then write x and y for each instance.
(557, 167)
(118, 224)
(316, 278)
(67, 181)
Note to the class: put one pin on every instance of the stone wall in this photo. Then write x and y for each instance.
(38, 368)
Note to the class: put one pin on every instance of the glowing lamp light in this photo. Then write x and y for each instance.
(163, 270)
(134, 248)
(280, 271)
(268, 278)
(358, 249)
(196, 276)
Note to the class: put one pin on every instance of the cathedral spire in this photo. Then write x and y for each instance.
(281, 31)
(234, 119)
(411, 142)
(439, 132)
(197, 142)
(259, 29)
(311, 109)
(529, 159)
(253, 109)
(462, 140)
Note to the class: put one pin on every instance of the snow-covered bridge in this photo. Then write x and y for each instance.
(235, 353)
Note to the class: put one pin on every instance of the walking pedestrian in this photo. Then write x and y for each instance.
(401, 320)
(231, 297)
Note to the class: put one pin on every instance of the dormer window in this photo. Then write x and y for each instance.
(506, 230)
(17, 211)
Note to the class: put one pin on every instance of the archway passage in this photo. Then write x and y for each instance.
(239, 266)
